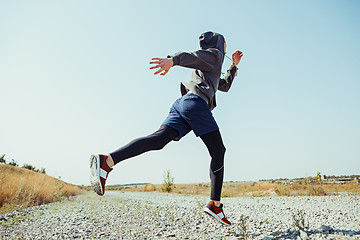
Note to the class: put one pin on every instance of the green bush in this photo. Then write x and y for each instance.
(168, 183)
(30, 167)
(13, 163)
(2, 159)
(26, 166)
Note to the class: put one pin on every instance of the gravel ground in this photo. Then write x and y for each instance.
(120, 215)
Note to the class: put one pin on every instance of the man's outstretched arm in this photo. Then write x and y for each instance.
(203, 60)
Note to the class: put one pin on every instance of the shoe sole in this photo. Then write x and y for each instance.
(95, 175)
(211, 213)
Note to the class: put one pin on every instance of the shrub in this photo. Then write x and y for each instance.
(282, 190)
(13, 163)
(299, 221)
(316, 191)
(30, 167)
(243, 224)
(2, 159)
(168, 183)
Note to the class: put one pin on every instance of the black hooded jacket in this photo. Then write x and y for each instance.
(207, 64)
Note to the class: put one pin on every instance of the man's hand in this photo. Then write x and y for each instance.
(236, 57)
(163, 63)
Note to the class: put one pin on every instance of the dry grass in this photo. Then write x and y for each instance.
(349, 188)
(260, 189)
(299, 190)
(21, 188)
(248, 189)
(192, 189)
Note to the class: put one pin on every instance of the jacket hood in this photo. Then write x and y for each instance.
(212, 40)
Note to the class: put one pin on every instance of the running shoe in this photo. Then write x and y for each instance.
(99, 171)
(216, 212)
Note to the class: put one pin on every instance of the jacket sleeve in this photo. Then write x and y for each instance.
(204, 60)
(225, 83)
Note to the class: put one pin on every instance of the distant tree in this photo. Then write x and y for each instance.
(42, 170)
(2, 159)
(30, 167)
(13, 163)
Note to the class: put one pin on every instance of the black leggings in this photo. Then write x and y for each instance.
(166, 134)
(217, 150)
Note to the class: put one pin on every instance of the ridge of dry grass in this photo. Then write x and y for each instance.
(21, 188)
(255, 189)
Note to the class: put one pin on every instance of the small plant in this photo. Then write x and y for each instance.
(200, 208)
(243, 224)
(2, 159)
(170, 212)
(59, 192)
(168, 183)
(299, 222)
(315, 191)
(13, 163)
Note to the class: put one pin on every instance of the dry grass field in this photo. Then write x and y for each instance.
(255, 189)
(20, 188)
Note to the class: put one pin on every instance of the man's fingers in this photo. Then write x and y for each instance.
(159, 63)
(165, 72)
(159, 71)
(157, 66)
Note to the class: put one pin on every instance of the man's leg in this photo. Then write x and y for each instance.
(216, 150)
(197, 114)
(101, 165)
(154, 141)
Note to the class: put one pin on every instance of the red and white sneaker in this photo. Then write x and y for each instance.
(99, 171)
(216, 212)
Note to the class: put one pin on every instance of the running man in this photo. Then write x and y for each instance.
(192, 111)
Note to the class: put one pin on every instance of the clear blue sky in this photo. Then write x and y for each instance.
(75, 80)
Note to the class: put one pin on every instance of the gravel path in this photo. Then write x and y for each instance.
(120, 215)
